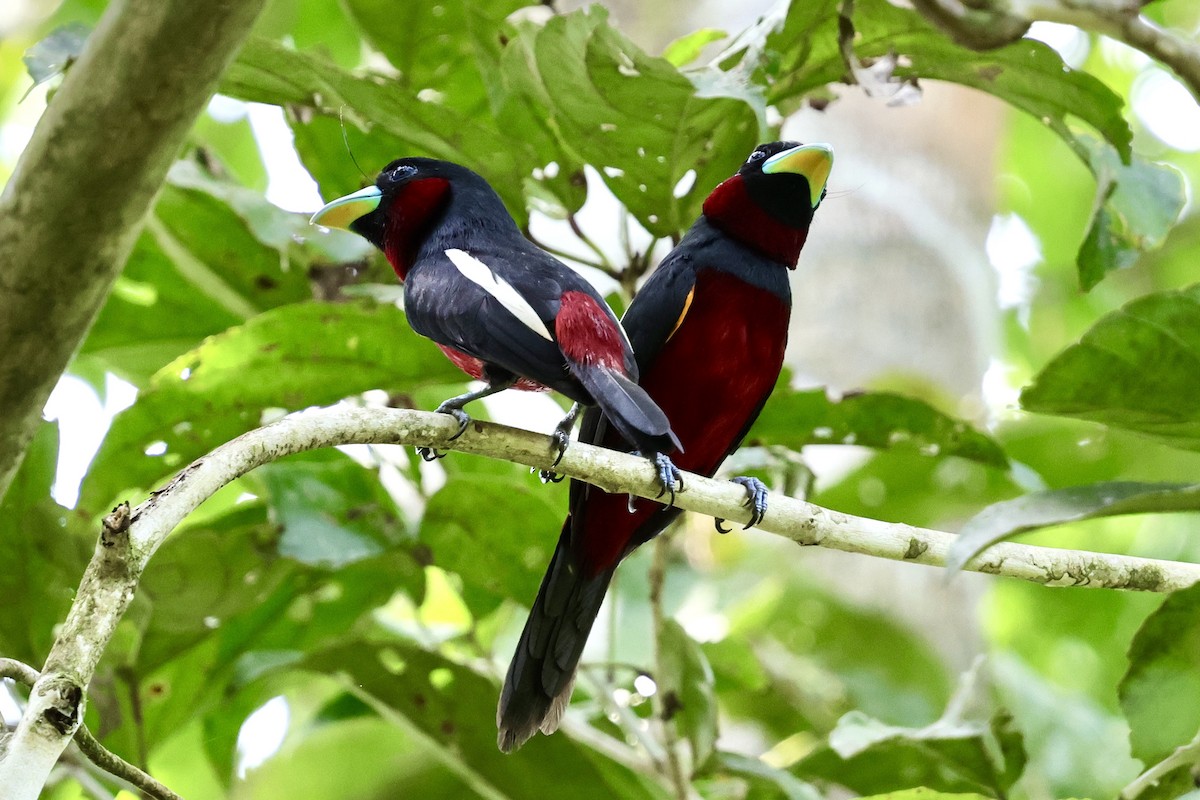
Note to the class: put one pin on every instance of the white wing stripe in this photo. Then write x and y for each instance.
(481, 274)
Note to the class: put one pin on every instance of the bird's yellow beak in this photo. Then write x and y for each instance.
(813, 161)
(341, 212)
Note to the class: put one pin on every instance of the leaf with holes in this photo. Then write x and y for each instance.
(590, 87)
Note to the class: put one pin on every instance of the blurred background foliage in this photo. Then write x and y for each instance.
(997, 301)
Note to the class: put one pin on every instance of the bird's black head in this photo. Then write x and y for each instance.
(769, 203)
(409, 197)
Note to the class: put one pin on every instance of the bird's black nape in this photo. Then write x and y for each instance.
(779, 194)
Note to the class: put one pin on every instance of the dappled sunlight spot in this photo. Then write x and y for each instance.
(1167, 109)
(1001, 385)
(226, 110)
(289, 185)
(441, 678)
(392, 661)
(156, 448)
(1013, 250)
(645, 685)
(872, 492)
(262, 734)
(1071, 43)
(684, 184)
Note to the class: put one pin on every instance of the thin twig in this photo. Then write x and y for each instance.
(664, 705)
(587, 240)
(89, 745)
(564, 255)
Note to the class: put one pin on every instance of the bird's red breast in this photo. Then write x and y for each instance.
(728, 351)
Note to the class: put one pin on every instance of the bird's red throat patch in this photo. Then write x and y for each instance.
(731, 209)
(408, 218)
(587, 334)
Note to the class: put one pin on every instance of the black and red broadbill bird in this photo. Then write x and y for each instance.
(503, 310)
(708, 330)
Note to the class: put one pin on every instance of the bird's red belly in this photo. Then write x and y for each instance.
(710, 379)
(474, 367)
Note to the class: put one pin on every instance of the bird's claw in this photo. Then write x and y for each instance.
(429, 454)
(549, 476)
(463, 419)
(756, 499)
(562, 438)
(669, 476)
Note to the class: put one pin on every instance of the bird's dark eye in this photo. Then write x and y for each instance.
(402, 172)
(757, 155)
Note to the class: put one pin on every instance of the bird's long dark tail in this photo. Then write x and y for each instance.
(630, 410)
(542, 673)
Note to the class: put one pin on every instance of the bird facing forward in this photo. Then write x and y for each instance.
(708, 330)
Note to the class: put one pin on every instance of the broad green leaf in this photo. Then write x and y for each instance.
(1137, 368)
(685, 684)
(870, 419)
(632, 116)
(1160, 693)
(1041, 509)
(497, 535)
(450, 50)
(288, 358)
(973, 746)
(1027, 74)
(687, 48)
(924, 793)
(219, 605)
(267, 72)
(773, 783)
(213, 254)
(1137, 204)
(229, 148)
(54, 55)
(455, 710)
(825, 655)
(43, 553)
(331, 511)
(314, 26)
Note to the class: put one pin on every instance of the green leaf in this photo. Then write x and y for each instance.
(634, 117)
(496, 534)
(454, 709)
(924, 793)
(287, 358)
(1160, 693)
(54, 55)
(1026, 74)
(775, 783)
(213, 255)
(1136, 206)
(332, 510)
(870, 419)
(1137, 368)
(973, 746)
(687, 48)
(43, 552)
(1041, 509)
(685, 681)
(449, 49)
(267, 72)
